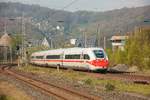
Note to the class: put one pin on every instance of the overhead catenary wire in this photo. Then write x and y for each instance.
(66, 6)
(70, 4)
(63, 8)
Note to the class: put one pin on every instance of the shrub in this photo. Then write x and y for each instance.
(3, 97)
(137, 51)
(88, 81)
(109, 87)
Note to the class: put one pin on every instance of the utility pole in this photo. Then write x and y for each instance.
(5, 47)
(51, 43)
(5, 54)
(5, 25)
(62, 31)
(85, 39)
(10, 48)
(24, 56)
(104, 43)
(97, 42)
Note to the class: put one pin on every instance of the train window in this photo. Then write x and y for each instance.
(39, 57)
(86, 56)
(99, 53)
(53, 57)
(76, 56)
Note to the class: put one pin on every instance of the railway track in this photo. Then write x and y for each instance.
(62, 93)
(131, 77)
(58, 92)
(138, 79)
(125, 76)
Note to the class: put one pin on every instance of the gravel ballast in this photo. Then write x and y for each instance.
(80, 86)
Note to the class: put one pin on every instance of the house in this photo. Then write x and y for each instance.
(118, 42)
(5, 48)
(5, 40)
(45, 43)
(73, 41)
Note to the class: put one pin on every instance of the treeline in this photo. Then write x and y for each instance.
(120, 20)
(137, 50)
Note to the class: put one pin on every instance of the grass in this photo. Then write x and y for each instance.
(141, 89)
(110, 85)
(3, 97)
(88, 81)
(6, 97)
(10, 92)
(145, 72)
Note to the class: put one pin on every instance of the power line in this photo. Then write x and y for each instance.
(70, 4)
(63, 8)
(66, 6)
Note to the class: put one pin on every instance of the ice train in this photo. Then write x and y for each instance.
(93, 59)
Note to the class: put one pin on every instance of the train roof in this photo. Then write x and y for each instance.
(76, 49)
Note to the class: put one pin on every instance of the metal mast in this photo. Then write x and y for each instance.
(97, 42)
(23, 52)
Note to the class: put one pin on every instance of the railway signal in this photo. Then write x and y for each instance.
(17, 47)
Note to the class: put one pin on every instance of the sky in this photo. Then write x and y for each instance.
(90, 5)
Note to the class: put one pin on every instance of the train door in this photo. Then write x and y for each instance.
(83, 63)
(62, 59)
(86, 58)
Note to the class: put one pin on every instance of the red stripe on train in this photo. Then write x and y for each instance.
(96, 63)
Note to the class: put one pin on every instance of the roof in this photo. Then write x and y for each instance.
(5, 40)
(119, 38)
(59, 51)
(45, 42)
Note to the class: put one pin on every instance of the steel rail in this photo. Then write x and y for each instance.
(51, 89)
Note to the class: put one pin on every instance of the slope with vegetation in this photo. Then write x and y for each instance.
(137, 50)
(120, 20)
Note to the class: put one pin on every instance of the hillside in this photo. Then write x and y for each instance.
(42, 20)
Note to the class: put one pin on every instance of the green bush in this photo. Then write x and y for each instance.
(109, 87)
(88, 81)
(3, 97)
(137, 51)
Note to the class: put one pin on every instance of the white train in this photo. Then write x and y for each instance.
(76, 58)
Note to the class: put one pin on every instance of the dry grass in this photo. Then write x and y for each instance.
(10, 92)
(89, 80)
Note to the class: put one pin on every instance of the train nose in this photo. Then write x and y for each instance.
(100, 63)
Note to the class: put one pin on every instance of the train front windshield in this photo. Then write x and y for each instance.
(99, 54)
